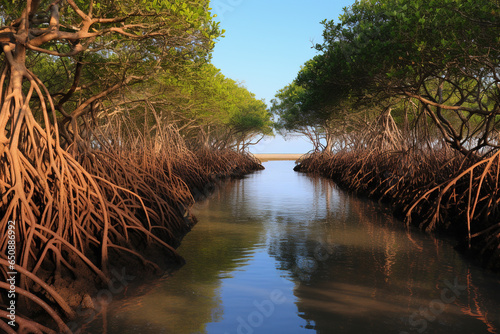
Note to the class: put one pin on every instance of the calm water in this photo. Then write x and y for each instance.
(282, 252)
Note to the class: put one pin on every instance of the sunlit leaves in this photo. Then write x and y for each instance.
(202, 98)
(379, 50)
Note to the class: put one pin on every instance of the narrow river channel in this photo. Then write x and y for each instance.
(283, 252)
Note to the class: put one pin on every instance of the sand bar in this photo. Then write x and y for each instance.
(277, 156)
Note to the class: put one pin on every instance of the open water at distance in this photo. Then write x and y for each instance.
(284, 252)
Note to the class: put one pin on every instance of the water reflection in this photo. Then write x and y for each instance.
(282, 252)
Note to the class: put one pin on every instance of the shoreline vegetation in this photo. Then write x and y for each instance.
(112, 122)
(402, 104)
(428, 190)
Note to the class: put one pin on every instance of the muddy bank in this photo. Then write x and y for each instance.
(437, 191)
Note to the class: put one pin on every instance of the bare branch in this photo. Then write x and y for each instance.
(446, 107)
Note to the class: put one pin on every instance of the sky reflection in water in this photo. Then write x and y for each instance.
(282, 252)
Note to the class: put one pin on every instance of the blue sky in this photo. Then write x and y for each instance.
(266, 43)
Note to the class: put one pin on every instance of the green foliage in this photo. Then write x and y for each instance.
(229, 109)
(153, 51)
(441, 52)
(209, 108)
(288, 107)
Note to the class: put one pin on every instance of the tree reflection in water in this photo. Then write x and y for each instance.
(343, 264)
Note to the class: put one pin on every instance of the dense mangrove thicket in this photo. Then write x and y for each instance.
(402, 104)
(112, 121)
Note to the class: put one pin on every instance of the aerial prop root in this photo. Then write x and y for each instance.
(481, 183)
(25, 325)
(50, 311)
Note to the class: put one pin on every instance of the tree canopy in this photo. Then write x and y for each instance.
(443, 54)
(103, 105)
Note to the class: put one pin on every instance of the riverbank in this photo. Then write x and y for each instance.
(148, 215)
(438, 191)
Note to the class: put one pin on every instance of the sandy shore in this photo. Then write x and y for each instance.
(279, 156)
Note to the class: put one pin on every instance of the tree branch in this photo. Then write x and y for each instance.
(446, 107)
(81, 108)
(71, 91)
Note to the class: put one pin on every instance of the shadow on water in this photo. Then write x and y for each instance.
(282, 252)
